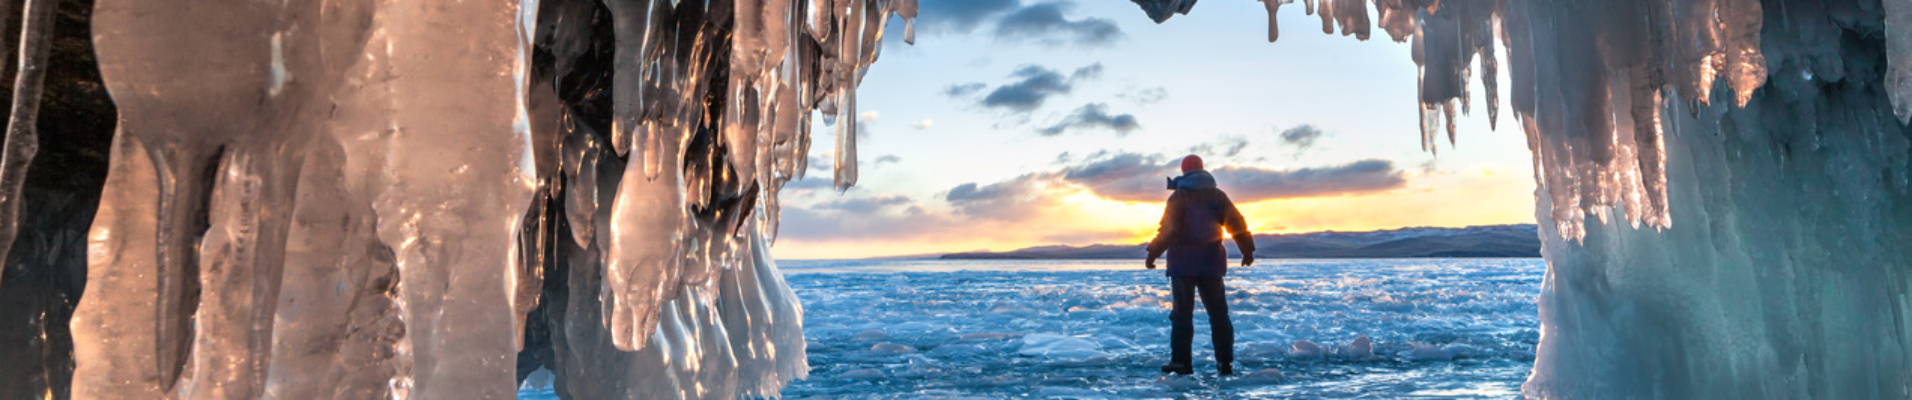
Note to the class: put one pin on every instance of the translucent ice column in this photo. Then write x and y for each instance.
(1767, 128)
(383, 198)
(308, 200)
(668, 289)
(1591, 80)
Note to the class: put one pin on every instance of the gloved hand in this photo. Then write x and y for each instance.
(1247, 259)
(1150, 263)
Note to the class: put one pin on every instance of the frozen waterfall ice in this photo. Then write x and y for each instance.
(375, 198)
(1773, 131)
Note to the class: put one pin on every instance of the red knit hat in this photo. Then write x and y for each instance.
(1191, 163)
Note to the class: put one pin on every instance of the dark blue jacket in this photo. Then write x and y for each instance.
(1192, 225)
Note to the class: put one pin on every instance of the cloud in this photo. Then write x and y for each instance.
(1145, 96)
(1091, 116)
(1125, 176)
(924, 124)
(1301, 137)
(1136, 177)
(815, 184)
(819, 165)
(1045, 24)
(1092, 71)
(887, 159)
(863, 130)
(1036, 84)
(886, 217)
(965, 89)
(959, 16)
(1226, 146)
(1028, 94)
(1014, 199)
(869, 116)
(1250, 184)
(865, 205)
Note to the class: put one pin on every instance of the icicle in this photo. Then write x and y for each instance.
(1490, 80)
(1449, 110)
(1898, 41)
(118, 325)
(581, 190)
(1745, 68)
(846, 143)
(646, 244)
(907, 10)
(1273, 6)
(1327, 16)
(632, 21)
(1698, 42)
(23, 139)
(417, 244)
(232, 326)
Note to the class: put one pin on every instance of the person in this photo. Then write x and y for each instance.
(1191, 234)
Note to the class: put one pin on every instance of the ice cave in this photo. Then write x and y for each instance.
(245, 199)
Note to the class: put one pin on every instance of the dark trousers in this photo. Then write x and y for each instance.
(1215, 300)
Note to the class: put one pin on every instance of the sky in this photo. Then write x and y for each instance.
(1011, 124)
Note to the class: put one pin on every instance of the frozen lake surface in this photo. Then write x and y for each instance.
(1440, 328)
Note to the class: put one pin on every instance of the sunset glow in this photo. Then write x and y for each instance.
(974, 139)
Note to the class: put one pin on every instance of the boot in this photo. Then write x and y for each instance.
(1225, 368)
(1179, 368)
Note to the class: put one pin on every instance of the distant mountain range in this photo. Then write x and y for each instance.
(1474, 241)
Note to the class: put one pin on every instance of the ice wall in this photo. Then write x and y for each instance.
(383, 198)
(1767, 129)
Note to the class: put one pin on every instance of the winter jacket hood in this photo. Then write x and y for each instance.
(1197, 179)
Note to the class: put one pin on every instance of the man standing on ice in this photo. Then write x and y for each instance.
(1191, 233)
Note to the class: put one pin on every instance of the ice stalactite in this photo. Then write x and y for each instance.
(1898, 79)
(1590, 81)
(381, 198)
(1774, 131)
(22, 136)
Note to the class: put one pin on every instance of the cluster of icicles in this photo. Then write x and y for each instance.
(361, 199)
(1590, 81)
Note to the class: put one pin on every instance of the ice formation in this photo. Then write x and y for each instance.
(1590, 81)
(1774, 131)
(22, 137)
(374, 198)
(378, 198)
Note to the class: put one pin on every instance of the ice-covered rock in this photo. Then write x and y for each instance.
(863, 374)
(872, 335)
(1060, 347)
(892, 348)
(1427, 352)
(1267, 376)
(1307, 349)
(1360, 347)
(1178, 383)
